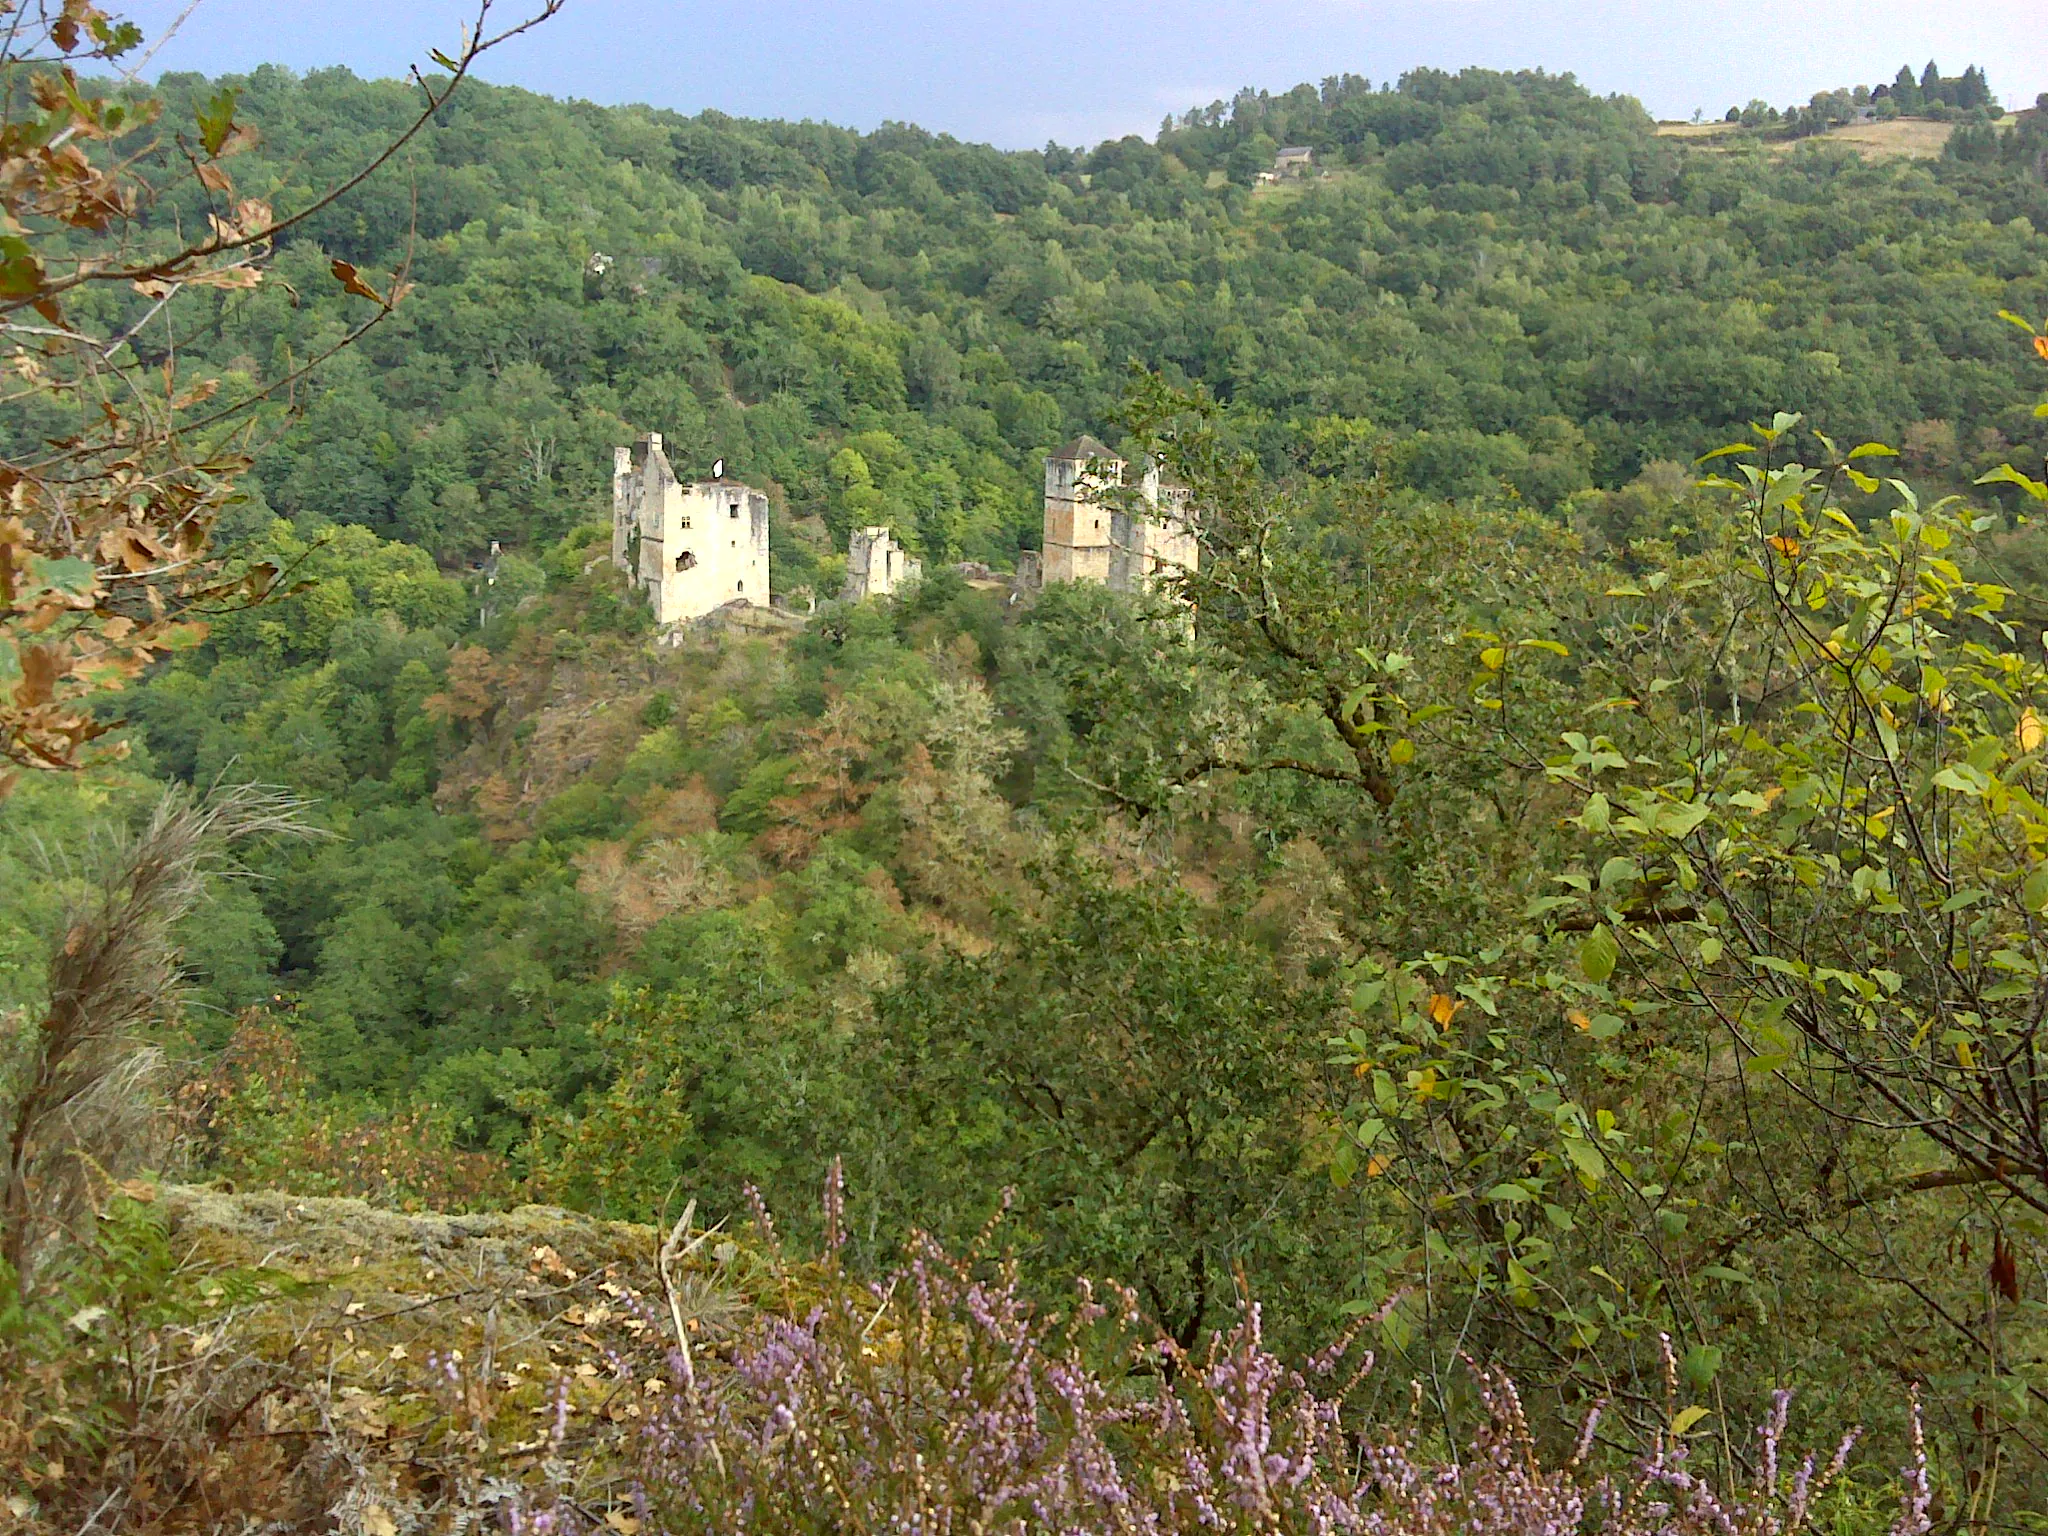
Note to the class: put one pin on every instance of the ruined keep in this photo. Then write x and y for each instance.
(1088, 540)
(876, 565)
(691, 548)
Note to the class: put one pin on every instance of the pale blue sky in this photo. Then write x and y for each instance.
(1082, 70)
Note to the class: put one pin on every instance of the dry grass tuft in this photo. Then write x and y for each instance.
(74, 1091)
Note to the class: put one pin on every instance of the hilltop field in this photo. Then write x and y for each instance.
(1904, 138)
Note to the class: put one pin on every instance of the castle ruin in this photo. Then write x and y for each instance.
(1089, 539)
(691, 548)
(876, 565)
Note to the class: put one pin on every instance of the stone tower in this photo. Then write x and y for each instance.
(1087, 540)
(876, 565)
(1077, 524)
(691, 548)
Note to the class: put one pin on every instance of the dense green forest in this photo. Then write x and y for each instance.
(1514, 282)
(1061, 893)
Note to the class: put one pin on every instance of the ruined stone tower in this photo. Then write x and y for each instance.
(876, 565)
(691, 548)
(1087, 540)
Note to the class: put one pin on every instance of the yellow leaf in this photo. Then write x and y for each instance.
(1578, 1020)
(351, 280)
(622, 1522)
(1492, 658)
(2030, 731)
(1376, 1165)
(1789, 548)
(1443, 1008)
(377, 1521)
(1687, 1417)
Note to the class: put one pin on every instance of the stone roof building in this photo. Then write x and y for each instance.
(692, 548)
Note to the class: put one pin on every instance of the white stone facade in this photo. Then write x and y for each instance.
(876, 565)
(692, 548)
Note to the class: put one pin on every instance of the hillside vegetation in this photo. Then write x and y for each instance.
(1514, 281)
(1531, 903)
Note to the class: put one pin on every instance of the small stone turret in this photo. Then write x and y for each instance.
(876, 565)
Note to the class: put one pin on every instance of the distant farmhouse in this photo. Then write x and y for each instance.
(691, 548)
(1089, 540)
(1292, 163)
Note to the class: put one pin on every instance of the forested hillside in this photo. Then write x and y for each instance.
(1380, 923)
(1514, 281)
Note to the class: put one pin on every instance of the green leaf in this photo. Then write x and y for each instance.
(1585, 1157)
(1687, 1417)
(1682, 820)
(69, 574)
(20, 272)
(217, 118)
(1961, 778)
(1872, 450)
(1605, 1026)
(2034, 893)
(1722, 453)
(2005, 474)
(1700, 1365)
(1599, 954)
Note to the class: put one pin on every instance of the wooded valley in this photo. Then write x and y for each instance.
(1559, 889)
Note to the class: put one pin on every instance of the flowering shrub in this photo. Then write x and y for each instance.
(940, 1400)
